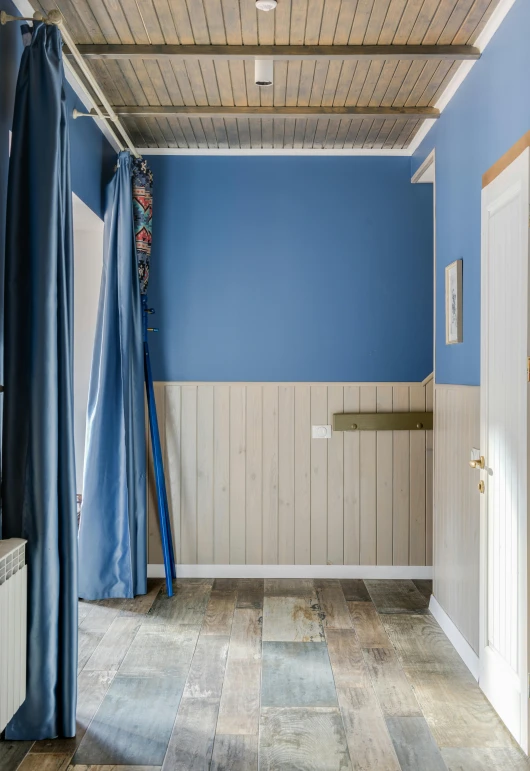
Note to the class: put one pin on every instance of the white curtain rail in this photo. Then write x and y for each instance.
(55, 17)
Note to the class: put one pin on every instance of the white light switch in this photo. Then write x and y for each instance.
(321, 432)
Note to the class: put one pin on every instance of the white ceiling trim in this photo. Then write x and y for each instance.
(495, 21)
(271, 151)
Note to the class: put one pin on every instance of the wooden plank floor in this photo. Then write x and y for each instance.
(241, 675)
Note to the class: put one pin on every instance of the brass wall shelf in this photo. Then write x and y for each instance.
(382, 421)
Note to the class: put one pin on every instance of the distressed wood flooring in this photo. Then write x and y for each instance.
(294, 675)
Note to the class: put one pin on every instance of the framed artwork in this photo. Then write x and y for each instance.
(453, 303)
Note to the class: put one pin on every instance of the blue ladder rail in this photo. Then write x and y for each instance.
(161, 492)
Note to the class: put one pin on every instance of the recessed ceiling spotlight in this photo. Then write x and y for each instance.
(263, 72)
(266, 5)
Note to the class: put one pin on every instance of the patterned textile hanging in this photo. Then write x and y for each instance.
(142, 190)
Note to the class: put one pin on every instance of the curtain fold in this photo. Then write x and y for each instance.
(113, 527)
(38, 467)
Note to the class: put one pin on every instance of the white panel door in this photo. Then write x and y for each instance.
(504, 437)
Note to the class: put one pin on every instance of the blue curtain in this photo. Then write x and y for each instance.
(112, 533)
(38, 473)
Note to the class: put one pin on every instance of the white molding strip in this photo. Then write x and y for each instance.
(294, 571)
(269, 151)
(456, 638)
(493, 24)
(425, 173)
(375, 383)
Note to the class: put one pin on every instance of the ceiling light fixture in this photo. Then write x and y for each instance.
(266, 5)
(263, 72)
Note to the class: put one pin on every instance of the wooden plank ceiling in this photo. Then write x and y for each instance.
(217, 82)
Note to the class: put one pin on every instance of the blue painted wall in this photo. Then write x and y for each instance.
(291, 269)
(488, 114)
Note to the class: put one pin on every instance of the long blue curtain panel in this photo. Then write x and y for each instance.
(38, 465)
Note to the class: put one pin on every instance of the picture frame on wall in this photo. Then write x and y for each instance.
(453, 303)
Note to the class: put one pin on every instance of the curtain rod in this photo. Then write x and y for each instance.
(56, 17)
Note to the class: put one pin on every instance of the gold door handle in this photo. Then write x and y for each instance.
(478, 463)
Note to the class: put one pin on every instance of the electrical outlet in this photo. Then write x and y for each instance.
(321, 432)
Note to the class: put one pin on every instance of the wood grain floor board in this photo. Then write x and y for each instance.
(114, 645)
(163, 650)
(235, 753)
(479, 759)
(354, 590)
(91, 690)
(396, 596)
(335, 613)
(367, 735)
(292, 619)
(187, 606)
(245, 640)
(347, 661)
(236, 675)
(12, 754)
(289, 587)
(134, 723)
(219, 613)
(207, 670)
(368, 627)
(456, 710)
(414, 744)
(420, 643)
(392, 687)
(191, 743)
(250, 593)
(424, 585)
(44, 763)
(297, 675)
(309, 739)
(240, 699)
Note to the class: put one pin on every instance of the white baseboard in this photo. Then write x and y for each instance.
(294, 571)
(459, 642)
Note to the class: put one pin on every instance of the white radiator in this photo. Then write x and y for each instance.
(13, 610)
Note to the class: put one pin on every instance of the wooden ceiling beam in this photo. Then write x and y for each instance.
(280, 52)
(154, 111)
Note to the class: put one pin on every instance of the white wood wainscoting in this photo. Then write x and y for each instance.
(248, 486)
(457, 507)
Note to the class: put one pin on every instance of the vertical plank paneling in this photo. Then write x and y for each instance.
(417, 482)
(351, 482)
(335, 481)
(401, 482)
(319, 478)
(237, 474)
(205, 492)
(188, 465)
(384, 481)
(429, 472)
(270, 474)
(248, 485)
(254, 499)
(457, 505)
(368, 465)
(222, 475)
(302, 475)
(172, 429)
(286, 531)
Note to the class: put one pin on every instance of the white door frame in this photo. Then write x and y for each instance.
(496, 675)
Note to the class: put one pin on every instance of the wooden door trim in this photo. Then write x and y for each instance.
(505, 160)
